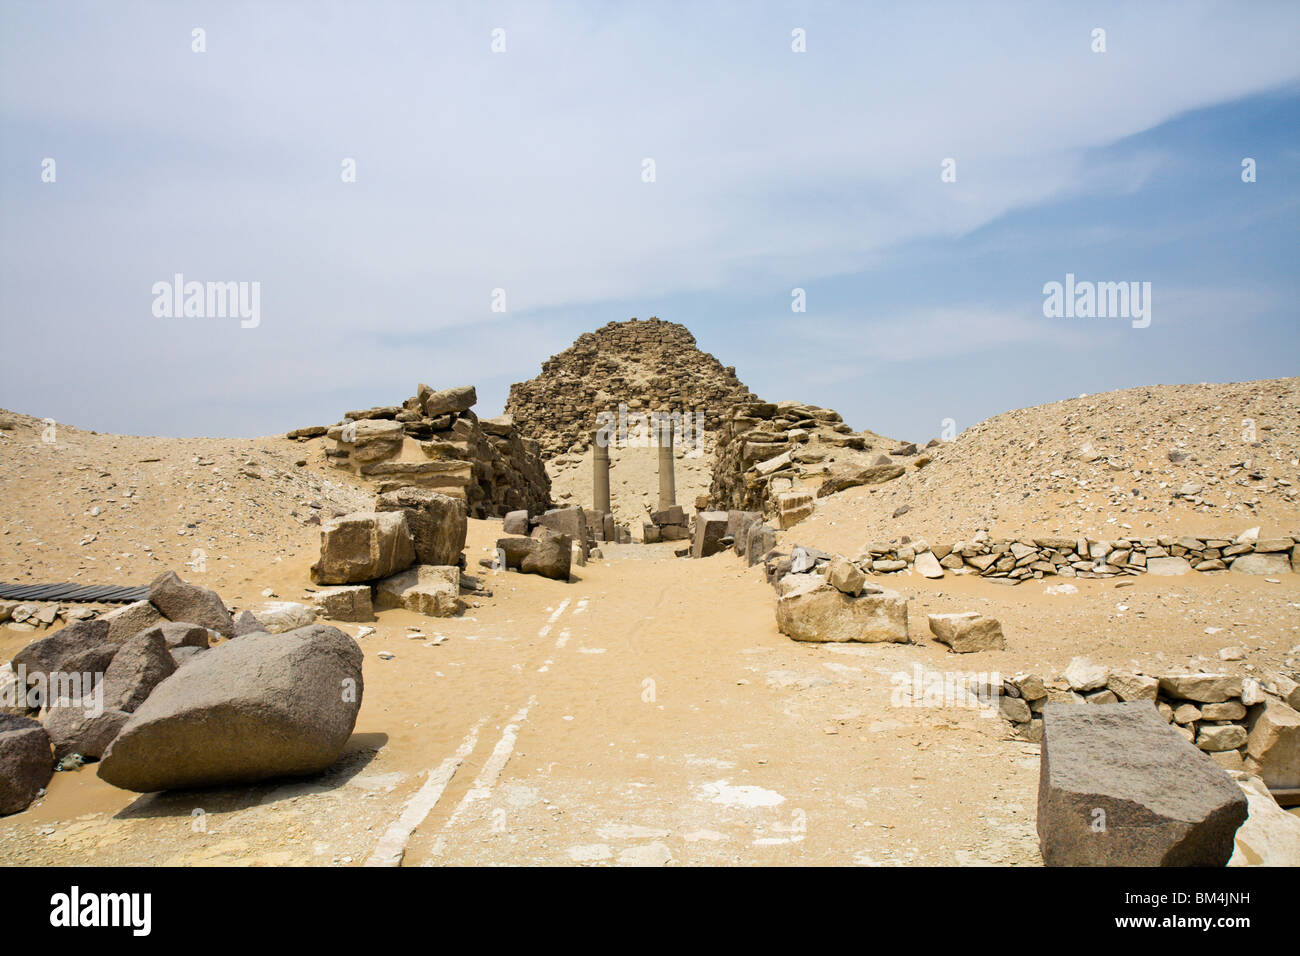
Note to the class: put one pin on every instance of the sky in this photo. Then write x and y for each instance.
(500, 155)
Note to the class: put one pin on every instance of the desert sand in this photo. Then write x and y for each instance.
(649, 711)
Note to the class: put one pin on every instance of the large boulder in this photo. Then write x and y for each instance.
(142, 664)
(968, 632)
(571, 521)
(710, 529)
(1273, 743)
(370, 440)
(280, 616)
(550, 556)
(266, 705)
(74, 655)
(433, 591)
(460, 398)
(363, 546)
(1271, 563)
(348, 603)
(515, 549)
(437, 523)
(1270, 836)
(190, 603)
(813, 610)
(1118, 786)
(80, 727)
(1203, 688)
(176, 634)
(26, 763)
(516, 522)
(128, 621)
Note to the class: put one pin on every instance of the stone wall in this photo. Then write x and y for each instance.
(649, 366)
(485, 462)
(1011, 561)
(1242, 723)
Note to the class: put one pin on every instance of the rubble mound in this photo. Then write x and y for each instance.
(1204, 460)
(433, 440)
(649, 366)
(768, 449)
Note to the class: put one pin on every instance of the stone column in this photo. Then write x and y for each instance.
(667, 483)
(600, 472)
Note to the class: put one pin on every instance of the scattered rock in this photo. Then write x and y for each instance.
(815, 611)
(968, 632)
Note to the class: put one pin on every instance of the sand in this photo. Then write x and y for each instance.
(646, 712)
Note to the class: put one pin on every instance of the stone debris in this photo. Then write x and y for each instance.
(1270, 836)
(1118, 787)
(710, 531)
(1273, 743)
(968, 632)
(347, 603)
(437, 523)
(363, 546)
(767, 451)
(433, 591)
(811, 609)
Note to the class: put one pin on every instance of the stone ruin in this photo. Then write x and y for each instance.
(647, 366)
(777, 458)
(434, 440)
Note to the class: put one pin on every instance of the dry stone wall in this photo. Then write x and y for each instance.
(1013, 561)
(1242, 723)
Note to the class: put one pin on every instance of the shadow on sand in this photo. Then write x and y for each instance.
(360, 750)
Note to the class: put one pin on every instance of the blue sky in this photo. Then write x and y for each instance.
(522, 170)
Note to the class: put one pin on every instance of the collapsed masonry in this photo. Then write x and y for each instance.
(434, 440)
(778, 457)
(646, 366)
